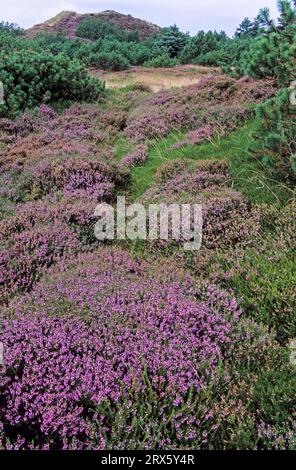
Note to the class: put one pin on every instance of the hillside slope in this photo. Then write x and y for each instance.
(66, 22)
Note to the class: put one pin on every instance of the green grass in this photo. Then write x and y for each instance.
(6, 207)
(264, 283)
(248, 174)
(122, 147)
(264, 288)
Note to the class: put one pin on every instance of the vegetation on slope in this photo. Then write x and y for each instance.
(145, 346)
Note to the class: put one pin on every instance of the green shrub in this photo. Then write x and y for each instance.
(272, 54)
(31, 78)
(202, 43)
(162, 61)
(12, 28)
(274, 395)
(93, 29)
(275, 142)
(113, 61)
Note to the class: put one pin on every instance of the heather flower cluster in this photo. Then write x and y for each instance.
(216, 105)
(228, 219)
(271, 437)
(137, 157)
(122, 325)
(62, 153)
(106, 350)
(202, 134)
(218, 121)
(38, 235)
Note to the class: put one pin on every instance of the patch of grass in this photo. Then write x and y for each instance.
(7, 208)
(265, 288)
(264, 280)
(248, 174)
(122, 147)
(274, 395)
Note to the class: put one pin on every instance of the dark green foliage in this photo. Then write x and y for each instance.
(112, 60)
(272, 54)
(246, 29)
(276, 139)
(93, 29)
(163, 60)
(12, 28)
(31, 78)
(274, 394)
(203, 45)
(172, 41)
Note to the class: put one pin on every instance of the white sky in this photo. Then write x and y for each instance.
(189, 15)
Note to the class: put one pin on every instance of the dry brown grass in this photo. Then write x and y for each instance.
(60, 17)
(156, 79)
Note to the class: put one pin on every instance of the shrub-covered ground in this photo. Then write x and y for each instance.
(132, 345)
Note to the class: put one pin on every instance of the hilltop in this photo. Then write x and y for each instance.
(66, 22)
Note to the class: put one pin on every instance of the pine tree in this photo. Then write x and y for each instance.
(245, 29)
(273, 54)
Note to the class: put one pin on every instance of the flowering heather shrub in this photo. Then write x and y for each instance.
(75, 176)
(225, 118)
(213, 166)
(172, 168)
(217, 104)
(5, 124)
(71, 175)
(218, 121)
(228, 219)
(262, 274)
(161, 327)
(39, 147)
(93, 116)
(137, 157)
(60, 153)
(277, 437)
(147, 127)
(79, 122)
(221, 88)
(285, 224)
(38, 235)
(35, 120)
(62, 166)
(202, 134)
(22, 262)
(71, 210)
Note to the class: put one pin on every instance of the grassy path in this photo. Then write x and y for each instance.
(248, 175)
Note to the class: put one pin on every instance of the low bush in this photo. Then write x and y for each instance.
(31, 78)
(163, 60)
(57, 396)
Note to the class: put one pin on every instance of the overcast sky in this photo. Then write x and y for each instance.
(189, 15)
